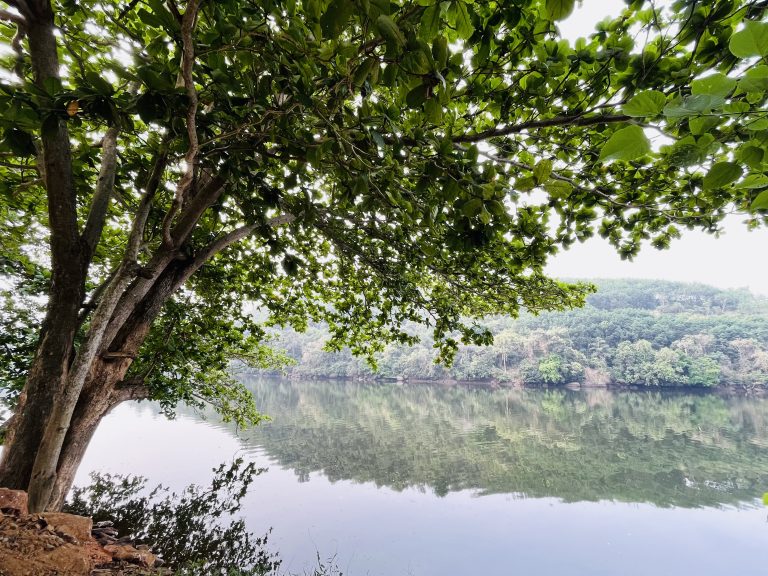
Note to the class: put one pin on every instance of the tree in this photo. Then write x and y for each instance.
(360, 162)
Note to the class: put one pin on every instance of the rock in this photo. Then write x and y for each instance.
(13, 500)
(69, 526)
(126, 553)
(98, 555)
(33, 551)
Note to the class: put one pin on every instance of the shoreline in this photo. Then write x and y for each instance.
(494, 384)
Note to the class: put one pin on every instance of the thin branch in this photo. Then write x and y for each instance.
(19, 166)
(23, 7)
(227, 240)
(15, 18)
(548, 123)
(220, 244)
(175, 11)
(104, 188)
(142, 212)
(130, 6)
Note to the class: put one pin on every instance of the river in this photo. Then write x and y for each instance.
(420, 480)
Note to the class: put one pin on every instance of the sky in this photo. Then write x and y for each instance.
(735, 259)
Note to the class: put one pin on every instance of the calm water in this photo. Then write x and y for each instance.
(423, 480)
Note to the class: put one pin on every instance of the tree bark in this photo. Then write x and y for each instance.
(105, 387)
(103, 392)
(68, 270)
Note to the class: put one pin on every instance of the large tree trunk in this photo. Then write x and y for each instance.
(68, 270)
(106, 386)
(104, 390)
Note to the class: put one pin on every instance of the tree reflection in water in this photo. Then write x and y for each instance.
(195, 531)
(675, 449)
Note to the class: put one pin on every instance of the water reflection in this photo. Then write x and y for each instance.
(669, 450)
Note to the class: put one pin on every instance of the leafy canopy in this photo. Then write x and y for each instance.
(383, 161)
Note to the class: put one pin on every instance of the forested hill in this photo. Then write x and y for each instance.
(632, 332)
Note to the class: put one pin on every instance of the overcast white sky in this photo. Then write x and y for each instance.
(734, 260)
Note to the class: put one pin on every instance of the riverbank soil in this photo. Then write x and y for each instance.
(55, 544)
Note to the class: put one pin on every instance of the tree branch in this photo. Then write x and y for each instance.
(22, 6)
(142, 212)
(130, 389)
(548, 123)
(204, 199)
(15, 18)
(164, 257)
(187, 179)
(223, 242)
(104, 188)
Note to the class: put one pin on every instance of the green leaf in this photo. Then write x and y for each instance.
(417, 62)
(335, 17)
(463, 22)
(390, 32)
(98, 83)
(496, 208)
(363, 71)
(722, 174)
(430, 22)
(151, 106)
(714, 85)
(542, 171)
(626, 144)
(525, 184)
(360, 187)
(648, 103)
(760, 203)
(313, 8)
(559, 9)
(52, 85)
(558, 189)
(703, 124)
(417, 96)
(440, 51)
(757, 125)
(693, 105)
(755, 79)
(153, 80)
(751, 41)
(19, 142)
(472, 207)
(751, 155)
(753, 181)
(434, 111)
(314, 156)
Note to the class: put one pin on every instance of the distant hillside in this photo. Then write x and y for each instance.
(671, 297)
(632, 332)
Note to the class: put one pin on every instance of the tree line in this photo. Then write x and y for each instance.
(632, 333)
